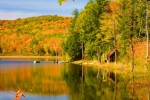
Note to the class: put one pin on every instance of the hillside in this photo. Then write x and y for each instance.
(33, 36)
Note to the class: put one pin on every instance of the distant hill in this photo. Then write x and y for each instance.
(33, 36)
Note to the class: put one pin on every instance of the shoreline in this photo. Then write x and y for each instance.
(30, 57)
(119, 67)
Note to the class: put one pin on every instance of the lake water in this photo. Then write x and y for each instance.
(51, 81)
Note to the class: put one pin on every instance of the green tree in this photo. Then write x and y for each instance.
(61, 1)
(109, 27)
(33, 45)
(88, 25)
(72, 46)
(131, 24)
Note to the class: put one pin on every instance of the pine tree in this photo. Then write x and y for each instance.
(72, 46)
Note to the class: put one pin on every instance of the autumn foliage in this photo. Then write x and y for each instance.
(33, 36)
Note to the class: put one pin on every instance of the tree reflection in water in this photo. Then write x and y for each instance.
(92, 84)
(41, 80)
(79, 82)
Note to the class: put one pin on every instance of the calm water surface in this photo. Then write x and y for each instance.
(50, 81)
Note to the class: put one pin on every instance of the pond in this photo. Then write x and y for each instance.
(63, 81)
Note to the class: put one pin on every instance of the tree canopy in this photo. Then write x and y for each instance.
(105, 25)
(33, 36)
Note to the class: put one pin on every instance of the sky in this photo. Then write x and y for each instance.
(14, 9)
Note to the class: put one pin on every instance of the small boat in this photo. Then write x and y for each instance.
(36, 61)
(55, 61)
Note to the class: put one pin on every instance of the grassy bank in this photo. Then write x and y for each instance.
(119, 67)
(140, 62)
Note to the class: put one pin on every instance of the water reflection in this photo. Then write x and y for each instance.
(42, 79)
(49, 81)
(91, 84)
(88, 83)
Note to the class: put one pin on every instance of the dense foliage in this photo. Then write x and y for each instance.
(72, 45)
(105, 25)
(33, 36)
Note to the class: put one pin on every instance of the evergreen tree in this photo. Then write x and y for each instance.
(72, 46)
(88, 24)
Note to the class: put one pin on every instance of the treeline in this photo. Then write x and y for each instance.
(33, 36)
(103, 26)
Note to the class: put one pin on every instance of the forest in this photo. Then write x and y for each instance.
(102, 26)
(33, 36)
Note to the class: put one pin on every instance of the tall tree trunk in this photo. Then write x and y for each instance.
(133, 87)
(132, 56)
(82, 52)
(147, 35)
(82, 62)
(99, 57)
(115, 43)
(132, 34)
